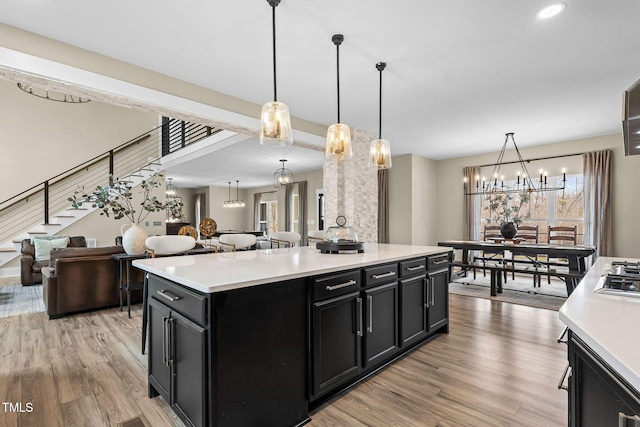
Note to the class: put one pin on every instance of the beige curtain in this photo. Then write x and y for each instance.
(302, 206)
(257, 197)
(383, 206)
(597, 202)
(471, 230)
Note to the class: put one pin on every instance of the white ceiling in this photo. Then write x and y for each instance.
(460, 73)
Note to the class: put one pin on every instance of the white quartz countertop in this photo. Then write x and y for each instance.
(606, 323)
(225, 271)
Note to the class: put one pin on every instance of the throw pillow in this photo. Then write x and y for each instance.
(44, 246)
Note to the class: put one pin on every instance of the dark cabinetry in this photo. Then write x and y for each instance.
(598, 396)
(437, 292)
(177, 360)
(364, 319)
(173, 227)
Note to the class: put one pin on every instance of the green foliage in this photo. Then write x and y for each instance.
(116, 199)
(504, 207)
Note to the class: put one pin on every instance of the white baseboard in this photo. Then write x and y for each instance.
(9, 271)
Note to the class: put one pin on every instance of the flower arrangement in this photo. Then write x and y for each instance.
(116, 198)
(506, 208)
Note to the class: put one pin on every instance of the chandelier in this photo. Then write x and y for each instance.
(525, 182)
(171, 190)
(233, 203)
(52, 96)
(282, 177)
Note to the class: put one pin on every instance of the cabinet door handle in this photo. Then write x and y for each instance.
(625, 420)
(164, 340)
(380, 276)
(417, 267)
(359, 302)
(370, 301)
(567, 372)
(341, 285)
(166, 295)
(433, 291)
(425, 284)
(169, 340)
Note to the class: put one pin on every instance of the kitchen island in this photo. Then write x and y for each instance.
(604, 349)
(262, 337)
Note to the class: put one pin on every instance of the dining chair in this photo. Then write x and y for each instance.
(528, 234)
(315, 236)
(560, 235)
(288, 238)
(168, 245)
(489, 233)
(237, 241)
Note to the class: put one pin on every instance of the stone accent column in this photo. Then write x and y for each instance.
(351, 189)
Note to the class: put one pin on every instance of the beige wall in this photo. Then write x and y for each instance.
(625, 194)
(41, 138)
(412, 205)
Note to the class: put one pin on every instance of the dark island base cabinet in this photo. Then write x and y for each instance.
(236, 358)
(361, 323)
(265, 355)
(598, 396)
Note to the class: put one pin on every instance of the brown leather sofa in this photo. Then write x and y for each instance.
(30, 269)
(80, 279)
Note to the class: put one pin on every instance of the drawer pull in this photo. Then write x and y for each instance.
(417, 267)
(380, 276)
(442, 261)
(567, 372)
(168, 296)
(625, 420)
(341, 285)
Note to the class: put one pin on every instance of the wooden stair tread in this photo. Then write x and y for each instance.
(58, 225)
(64, 216)
(8, 250)
(78, 209)
(17, 240)
(37, 232)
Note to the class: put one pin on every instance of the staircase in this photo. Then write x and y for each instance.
(28, 214)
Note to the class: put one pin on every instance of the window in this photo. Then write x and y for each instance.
(268, 221)
(544, 209)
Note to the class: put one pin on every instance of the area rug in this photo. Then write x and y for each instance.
(516, 291)
(16, 299)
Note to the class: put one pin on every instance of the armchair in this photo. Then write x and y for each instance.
(30, 267)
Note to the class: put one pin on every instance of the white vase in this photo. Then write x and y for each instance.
(133, 239)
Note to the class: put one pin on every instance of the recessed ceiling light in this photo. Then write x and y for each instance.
(551, 11)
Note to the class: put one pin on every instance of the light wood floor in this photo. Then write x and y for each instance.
(499, 366)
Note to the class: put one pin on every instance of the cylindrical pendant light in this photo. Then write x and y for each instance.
(275, 127)
(380, 150)
(282, 176)
(338, 145)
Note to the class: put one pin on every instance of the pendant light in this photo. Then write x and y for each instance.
(282, 176)
(275, 127)
(171, 191)
(380, 150)
(338, 135)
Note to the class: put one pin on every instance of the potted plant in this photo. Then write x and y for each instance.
(505, 210)
(117, 199)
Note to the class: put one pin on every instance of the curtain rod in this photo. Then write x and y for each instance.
(534, 160)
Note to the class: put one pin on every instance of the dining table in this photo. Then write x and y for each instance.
(575, 256)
